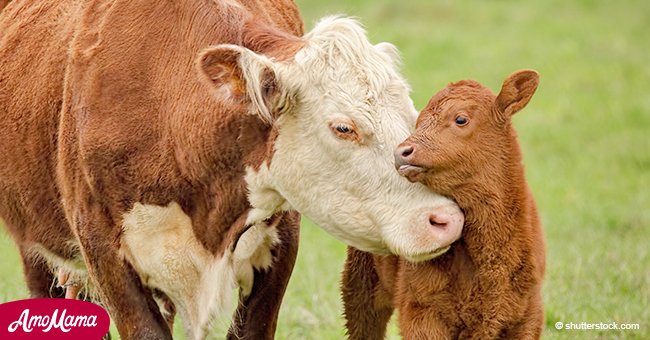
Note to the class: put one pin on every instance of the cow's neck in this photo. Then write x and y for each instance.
(214, 142)
(202, 131)
(219, 190)
(264, 39)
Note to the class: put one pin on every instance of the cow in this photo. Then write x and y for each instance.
(487, 285)
(160, 152)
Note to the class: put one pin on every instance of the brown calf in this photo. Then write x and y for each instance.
(488, 284)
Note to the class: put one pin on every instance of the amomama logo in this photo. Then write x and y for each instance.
(52, 319)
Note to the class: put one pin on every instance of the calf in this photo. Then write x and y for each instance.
(488, 284)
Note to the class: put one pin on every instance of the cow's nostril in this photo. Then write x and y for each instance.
(406, 151)
(437, 221)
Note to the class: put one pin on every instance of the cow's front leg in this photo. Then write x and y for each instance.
(257, 313)
(130, 305)
(166, 307)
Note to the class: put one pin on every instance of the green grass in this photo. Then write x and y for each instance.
(585, 136)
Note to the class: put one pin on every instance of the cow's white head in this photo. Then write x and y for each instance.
(340, 107)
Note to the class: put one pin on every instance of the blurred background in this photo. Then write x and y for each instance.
(585, 137)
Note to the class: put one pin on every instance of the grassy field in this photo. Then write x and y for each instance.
(585, 135)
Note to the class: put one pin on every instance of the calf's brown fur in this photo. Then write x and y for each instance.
(488, 285)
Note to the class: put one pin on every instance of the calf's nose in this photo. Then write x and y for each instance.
(403, 154)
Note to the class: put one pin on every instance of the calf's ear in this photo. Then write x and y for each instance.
(516, 91)
(240, 76)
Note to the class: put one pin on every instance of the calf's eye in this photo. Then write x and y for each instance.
(461, 120)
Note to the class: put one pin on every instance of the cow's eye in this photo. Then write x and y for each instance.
(345, 129)
(461, 120)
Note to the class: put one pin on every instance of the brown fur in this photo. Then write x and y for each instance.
(488, 285)
(100, 107)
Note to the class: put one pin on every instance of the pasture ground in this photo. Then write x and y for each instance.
(585, 137)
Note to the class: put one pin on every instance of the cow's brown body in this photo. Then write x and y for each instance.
(488, 285)
(88, 127)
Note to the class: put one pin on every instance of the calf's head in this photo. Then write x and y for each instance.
(339, 107)
(464, 130)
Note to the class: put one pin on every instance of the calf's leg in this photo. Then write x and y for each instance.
(366, 304)
(532, 321)
(418, 323)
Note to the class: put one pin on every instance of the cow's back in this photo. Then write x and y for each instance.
(133, 100)
(108, 73)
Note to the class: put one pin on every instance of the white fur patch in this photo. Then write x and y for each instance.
(254, 251)
(262, 196)
(160, 244)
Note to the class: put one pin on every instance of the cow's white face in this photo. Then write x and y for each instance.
(340, 107)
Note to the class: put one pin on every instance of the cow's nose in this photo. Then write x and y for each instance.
(402, 155)
(440, 221)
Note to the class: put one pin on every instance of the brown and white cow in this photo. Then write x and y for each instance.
(488, 284)
(135, 154)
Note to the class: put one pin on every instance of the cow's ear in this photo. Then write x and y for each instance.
(516, 91)
(241, 76)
